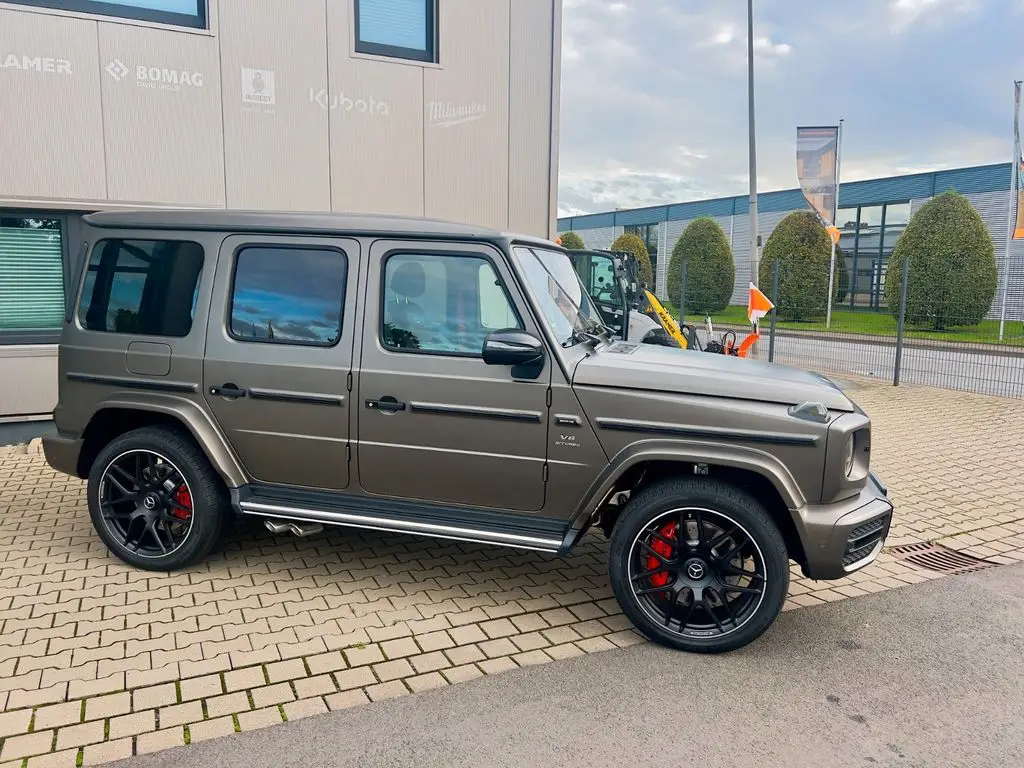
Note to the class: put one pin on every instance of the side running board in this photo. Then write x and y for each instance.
(521, 531)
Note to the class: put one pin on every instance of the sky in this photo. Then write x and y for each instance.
(654, 92)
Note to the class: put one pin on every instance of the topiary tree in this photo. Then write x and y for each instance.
(635, 245)
(710, 271)
(953, 273)
(803, 249)
(572, 242)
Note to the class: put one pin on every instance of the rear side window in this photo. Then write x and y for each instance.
(288, 295)
(141, 287)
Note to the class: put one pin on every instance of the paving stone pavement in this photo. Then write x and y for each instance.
(99, 661)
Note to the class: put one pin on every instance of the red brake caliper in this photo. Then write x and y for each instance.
(184, 498)
(667, 532)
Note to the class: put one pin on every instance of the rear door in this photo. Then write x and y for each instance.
(279, 356)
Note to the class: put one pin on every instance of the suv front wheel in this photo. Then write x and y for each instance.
(698, 565)
(155, 501)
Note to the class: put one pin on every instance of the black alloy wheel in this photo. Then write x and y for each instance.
(698, 565)
(155, 500)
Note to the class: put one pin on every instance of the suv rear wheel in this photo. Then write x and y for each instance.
(698, 565)
(155, 501)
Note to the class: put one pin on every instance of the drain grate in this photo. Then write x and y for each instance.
(936, 557)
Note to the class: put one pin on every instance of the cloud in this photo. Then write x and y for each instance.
(654, 99)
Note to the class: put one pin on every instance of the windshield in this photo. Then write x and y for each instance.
(557, 289)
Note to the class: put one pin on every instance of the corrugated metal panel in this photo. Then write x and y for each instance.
(885, 190)
(641, 216)
(984, 178)
(31, 279)
(721, 206)
(589, 221)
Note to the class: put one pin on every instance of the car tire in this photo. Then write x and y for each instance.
(122, 518)
(651, 574)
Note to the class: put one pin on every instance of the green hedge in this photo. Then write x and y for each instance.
(953, 273)
(710, 270)
(573, 242)
(803, 249)
(635, 245)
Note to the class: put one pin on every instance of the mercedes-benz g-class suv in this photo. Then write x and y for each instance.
(429, 378)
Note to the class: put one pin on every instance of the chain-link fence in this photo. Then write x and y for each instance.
(898, 323)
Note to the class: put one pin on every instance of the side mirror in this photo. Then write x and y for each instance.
(523, 351)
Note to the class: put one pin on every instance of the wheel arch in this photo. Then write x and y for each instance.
(645, 462)
(116, 416)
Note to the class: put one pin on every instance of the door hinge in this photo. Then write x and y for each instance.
(545, 473)
(348, 454)
(349, 381)
(549, 397)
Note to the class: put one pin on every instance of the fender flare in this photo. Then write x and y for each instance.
(205, 432)
(692, 451)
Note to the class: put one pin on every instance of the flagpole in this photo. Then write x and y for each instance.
(752, 140)
(835, 214)
(1010, 218)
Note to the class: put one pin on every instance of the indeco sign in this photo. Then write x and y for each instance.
(46, 65)
(146, 76)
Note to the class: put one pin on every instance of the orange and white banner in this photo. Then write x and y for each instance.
(817, 159)
(758, 305)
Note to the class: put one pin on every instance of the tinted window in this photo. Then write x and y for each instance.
(443, 304)
(144, 287)
(399, 28)
(288, 295)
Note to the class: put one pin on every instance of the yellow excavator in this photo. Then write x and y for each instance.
(612, 278)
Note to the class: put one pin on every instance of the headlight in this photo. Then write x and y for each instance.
(848, 460)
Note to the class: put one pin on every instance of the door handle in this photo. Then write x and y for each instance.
(228, 390)
(388, 404)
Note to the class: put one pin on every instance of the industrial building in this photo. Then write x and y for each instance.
(872, 215)
(418, 107)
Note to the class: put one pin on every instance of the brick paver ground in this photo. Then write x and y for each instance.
(99, 661)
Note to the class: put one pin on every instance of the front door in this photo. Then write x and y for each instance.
(279, 356)
(435, 422)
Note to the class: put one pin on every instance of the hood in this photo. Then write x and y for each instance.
(630, 365)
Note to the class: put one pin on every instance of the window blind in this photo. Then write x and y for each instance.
(31, 279)
(398, 23)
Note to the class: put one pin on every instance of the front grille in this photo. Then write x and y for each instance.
(864, 538)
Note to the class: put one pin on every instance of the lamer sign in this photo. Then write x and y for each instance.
(42, 64)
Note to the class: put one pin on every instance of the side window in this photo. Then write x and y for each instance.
(288, 295)
(443, 304)
(142, 287)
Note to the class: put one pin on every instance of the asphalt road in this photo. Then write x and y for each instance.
(982, 373)
(920, 677)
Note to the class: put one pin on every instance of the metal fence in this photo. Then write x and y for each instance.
(912, 328)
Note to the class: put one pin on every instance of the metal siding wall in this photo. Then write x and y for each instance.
(82, 129)
(530, 102)
(994, 208)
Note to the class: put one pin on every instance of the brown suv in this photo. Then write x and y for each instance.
(429, 378)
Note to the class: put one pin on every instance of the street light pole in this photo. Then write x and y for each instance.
(754, 239)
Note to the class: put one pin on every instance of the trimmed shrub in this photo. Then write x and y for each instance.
(953, 272)
(635, 245)
(803, 249)
(710, 271)
(573, 242)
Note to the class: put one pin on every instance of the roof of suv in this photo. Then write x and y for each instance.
(297, 222)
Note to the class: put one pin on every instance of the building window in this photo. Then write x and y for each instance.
(141, 287)
(288, 295)
(180, 13)
(31, 279)
(401, 29)
(868, 235)
(443, 304)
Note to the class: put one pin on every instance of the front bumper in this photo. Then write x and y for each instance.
(62, 453)
(844, 537)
